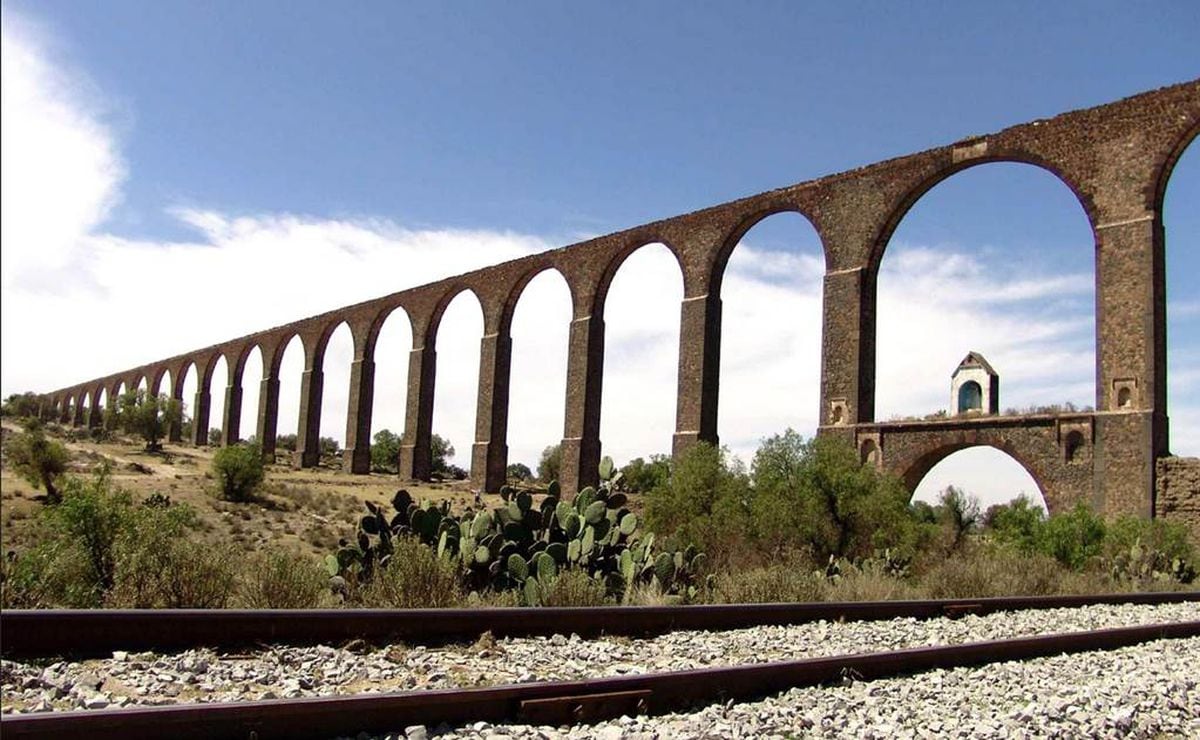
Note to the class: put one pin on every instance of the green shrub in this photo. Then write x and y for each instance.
(149, 417)
(550, 465)
(38, 460)
(385, 452)
(704, 503)
(640, 476)
(870, 581)
(413, 578)
(281, 580)
(993, 571)
(1017, 522)
(782, 583)
(574, 587)
(1073, 537)
(518, 472)
(1149, 550)
(239, 472)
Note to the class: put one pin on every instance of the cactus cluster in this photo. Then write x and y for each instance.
(524, 544)
(1141, 562)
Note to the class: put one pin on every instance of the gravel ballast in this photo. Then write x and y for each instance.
(141, 679)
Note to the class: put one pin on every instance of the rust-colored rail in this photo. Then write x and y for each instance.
(39, 633)
(551, 702)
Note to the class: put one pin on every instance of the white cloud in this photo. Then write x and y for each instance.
(104, 302)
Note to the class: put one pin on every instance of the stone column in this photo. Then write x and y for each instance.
(78, 413)
(1131, 363)
(581, 427)
(308, 432)
(357, 456)
(231, 424)
(95, 416)
(699, 372)
(200, 417)
(175, 432)
(489, 456)
(268, 416)
(847, 349)
(416, 453)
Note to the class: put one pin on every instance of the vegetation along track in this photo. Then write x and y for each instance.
(559, 702)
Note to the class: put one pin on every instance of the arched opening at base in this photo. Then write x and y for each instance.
(987, 473)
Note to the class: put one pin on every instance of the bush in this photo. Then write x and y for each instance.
(704, 503)
(640, 476)
(550, 466)
(25, 405)
(214, 437)
(285, 442)
(781, 583)
(99, 548)
(441, 451)
(1072, 538)
(519, 472)
(38, 460)
(149, 417)
(385, 452)
(281, 580)
(574, 587)
(870, 581)
(414, 578)
(993, 571)
(817, 495)
(1017, 523)
(239, 471)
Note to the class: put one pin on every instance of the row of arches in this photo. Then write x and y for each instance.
(586, 280)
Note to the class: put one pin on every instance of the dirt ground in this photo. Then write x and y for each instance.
(304, 510)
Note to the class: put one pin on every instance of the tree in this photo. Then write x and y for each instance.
(285, 442)
(519, 471)
(239, 471)
(1017, 522)
(330, 447)
(960, 513)
(704, 502)
(385, 452)
(21, 405)
(38, 460)
(149, 417)
(214, 437)
(550, 466)
(640, 476)
(442, 450)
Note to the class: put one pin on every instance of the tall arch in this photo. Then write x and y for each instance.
(769, 285)
(640, 308)
(249, 372)
(336, 359)
(217, 377)
(977, 263)
(456, 331)
(391, 341)
(1180, 237)
(540, 325)
(287, 368)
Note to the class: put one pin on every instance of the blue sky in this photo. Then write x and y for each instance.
(361, 148)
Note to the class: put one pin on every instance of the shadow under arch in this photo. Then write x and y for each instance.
(921, 467)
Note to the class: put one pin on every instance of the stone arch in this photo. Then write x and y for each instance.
(763, 315)
(1167, 168)
(539, 337)
(1072, 444)
(629, 428)
(922, 187)
(746, 225)
(439, 309)
(989, 190)
(335, 362)
(921, 465)
(379, 320)
(156, 377)
(518, 289)
(614, 263)
(280, 348)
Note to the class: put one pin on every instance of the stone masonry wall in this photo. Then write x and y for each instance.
(1178, 491)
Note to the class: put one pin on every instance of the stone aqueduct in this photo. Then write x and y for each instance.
(1116, 158)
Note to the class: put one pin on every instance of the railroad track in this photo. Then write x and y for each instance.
(554, 703)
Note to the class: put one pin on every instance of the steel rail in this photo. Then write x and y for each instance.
(554, 703)
(86, 632)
